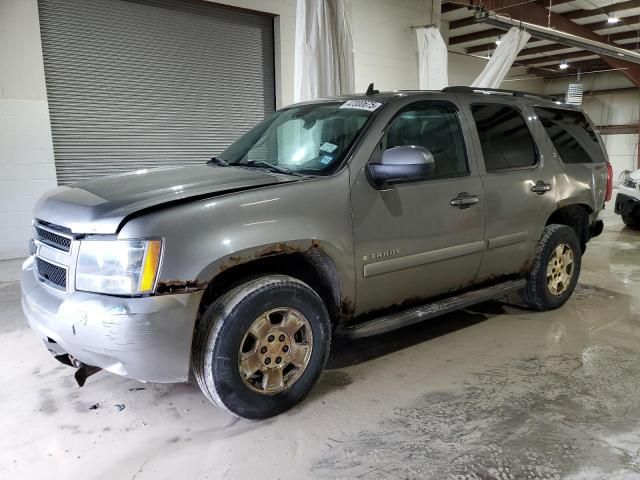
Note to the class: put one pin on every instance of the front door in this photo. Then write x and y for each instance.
(417, 239)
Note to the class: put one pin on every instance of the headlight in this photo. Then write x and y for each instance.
(118, 267)
(629, 182)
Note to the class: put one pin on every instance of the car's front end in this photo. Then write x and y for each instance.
(628, 198)
(90, 299)
(103, 287)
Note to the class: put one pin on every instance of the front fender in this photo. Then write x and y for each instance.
(206, 237)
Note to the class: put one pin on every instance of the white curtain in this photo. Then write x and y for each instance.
(502, 59)
(323, 57)
(432, 59)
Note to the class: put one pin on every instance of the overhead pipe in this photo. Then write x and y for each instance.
(557, 36)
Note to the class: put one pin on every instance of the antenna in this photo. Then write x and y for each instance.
(371, 90)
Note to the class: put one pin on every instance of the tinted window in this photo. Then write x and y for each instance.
(434, 126)
(571, 134)
(504, 136)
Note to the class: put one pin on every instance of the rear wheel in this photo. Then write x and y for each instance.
(259, 349)
(555, 270)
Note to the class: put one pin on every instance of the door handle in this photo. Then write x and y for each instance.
(541, 187)
(464, 200)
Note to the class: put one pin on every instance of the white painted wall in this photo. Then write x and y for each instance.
(385, 48)
(26, 152)
(617, 109)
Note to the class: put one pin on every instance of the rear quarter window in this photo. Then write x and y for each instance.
(571, 135)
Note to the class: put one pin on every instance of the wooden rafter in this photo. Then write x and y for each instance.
(538, 15)
(616, 37)
(613, 8)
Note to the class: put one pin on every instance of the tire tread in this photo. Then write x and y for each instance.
(214, 318)
(533, 295)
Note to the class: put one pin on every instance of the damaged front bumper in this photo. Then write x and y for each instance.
(627, 204)
(144, 338)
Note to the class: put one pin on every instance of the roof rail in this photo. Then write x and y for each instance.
(515, 93)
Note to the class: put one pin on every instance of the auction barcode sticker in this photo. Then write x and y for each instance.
(368, 105)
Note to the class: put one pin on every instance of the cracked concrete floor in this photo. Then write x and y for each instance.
(493, 392)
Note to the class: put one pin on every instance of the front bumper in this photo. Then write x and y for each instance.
(144, 338)
(627, 205)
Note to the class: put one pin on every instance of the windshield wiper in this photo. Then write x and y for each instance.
(271, 166)
(218, 161)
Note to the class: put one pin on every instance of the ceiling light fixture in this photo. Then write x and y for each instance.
(564, 65)
(612, 19)
(499, 39)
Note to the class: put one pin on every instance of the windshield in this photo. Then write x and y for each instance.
(304, 139)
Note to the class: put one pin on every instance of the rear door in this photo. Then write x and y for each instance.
(518, 182)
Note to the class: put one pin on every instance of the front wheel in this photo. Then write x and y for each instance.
(259, 349)
(632, 221)
(555, 270)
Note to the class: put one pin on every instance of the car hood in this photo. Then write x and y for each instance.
(101, 205)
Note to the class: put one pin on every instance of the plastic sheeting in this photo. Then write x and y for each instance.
(323, 57)
(432, 59)
(502, 59)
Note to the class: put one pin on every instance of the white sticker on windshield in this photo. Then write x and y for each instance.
(328, 147)
(368, 105)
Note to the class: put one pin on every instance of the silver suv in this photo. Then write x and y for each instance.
(349, 216)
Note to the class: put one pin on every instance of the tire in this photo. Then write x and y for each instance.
(261, 306)
(631, 221)
(539, 293)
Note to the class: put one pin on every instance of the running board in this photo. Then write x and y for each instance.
(424, 312)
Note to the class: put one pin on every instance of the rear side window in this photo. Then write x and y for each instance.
(571, 134)
(504, 136)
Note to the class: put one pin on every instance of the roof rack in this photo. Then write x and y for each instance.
(515, 93)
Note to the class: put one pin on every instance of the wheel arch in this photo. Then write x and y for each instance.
(307, 261)
(575, 216)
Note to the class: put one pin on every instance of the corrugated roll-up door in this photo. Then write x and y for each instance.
(146, 83)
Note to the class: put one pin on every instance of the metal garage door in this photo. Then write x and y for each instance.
(136, 84)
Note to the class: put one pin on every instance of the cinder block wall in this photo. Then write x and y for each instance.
(26, 152)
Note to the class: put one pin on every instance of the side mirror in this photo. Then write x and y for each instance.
(402, 164)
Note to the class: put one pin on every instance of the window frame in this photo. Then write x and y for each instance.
(376, 154)
(552, 143)
(520, 111)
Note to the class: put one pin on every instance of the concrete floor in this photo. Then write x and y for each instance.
(490, 393)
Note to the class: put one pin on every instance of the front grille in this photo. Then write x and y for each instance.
(51, 274)
(48, 237)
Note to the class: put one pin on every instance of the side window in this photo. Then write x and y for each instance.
(571, 134)
(434, 126)
(504, 136)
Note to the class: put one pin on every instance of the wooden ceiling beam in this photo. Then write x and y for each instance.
(598, 25)
(615, 37)
(538, 15)
(601, 25)
(555, 58)
(447, 7)
(616, 7)
(556, 72)
(472, 37)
